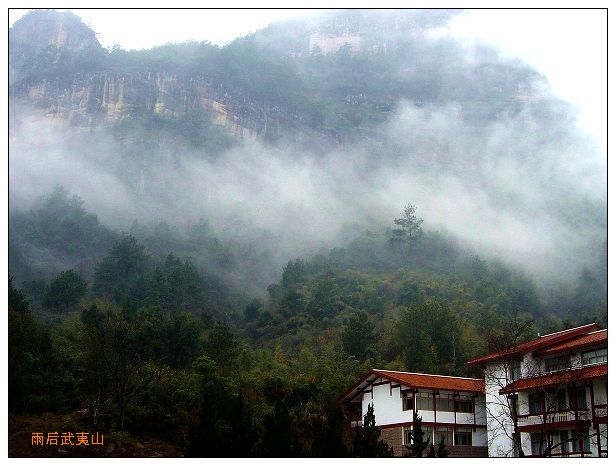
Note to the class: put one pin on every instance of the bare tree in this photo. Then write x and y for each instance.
(503, 411)
(539, 408)
(555, 402)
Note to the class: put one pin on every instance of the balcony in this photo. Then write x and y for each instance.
(553, 417)
(601, 410)
(357, 424)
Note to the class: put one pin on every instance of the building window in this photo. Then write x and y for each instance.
(515, 371)
(536, 444)
(424, 401)
(443, 432)
(407, 401)
(408, 435)
(464, 405)
(463, 436)
(561, 400)
(536, 403)
(576, 436)
(580, 398)
(445, 403)
(558, 364)
(565, 446)
(594, 357)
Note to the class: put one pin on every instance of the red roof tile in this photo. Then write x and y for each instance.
(415, 380)
(557, 378)
(583, 341)
(442, 382)
(542, 342)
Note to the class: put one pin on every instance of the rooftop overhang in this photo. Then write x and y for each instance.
(590, 341)
(411, 381)
(351, 395)
(556, 378)
(541, 343)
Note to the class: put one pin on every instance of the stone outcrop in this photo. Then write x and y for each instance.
(105, 98)
(42, 28)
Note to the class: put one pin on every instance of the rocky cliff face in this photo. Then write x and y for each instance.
(45, 37)
(42, 28)
(105, 98)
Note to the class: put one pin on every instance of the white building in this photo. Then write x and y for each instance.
(545, 397)
(450, 407)
(548, 396)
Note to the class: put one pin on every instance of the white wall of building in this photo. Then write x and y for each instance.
(388, 409)
(480, 437)
(499, 423)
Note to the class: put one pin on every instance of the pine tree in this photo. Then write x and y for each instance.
(410, 227)
(366, 443)
(441, 451)
(418, 444)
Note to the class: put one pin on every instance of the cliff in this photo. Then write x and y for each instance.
(267, 84)
(104, 98)
(42, 28)
(55, 65)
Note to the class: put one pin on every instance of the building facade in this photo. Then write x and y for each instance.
(449, 407)
(548, 397)
(545, 397)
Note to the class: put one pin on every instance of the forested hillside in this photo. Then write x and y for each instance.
(208, 244)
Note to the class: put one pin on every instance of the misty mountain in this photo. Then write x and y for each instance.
(294, 131)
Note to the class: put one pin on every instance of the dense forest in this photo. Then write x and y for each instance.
(172, 289)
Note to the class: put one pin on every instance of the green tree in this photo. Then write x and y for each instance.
(418, 444)
(359, 337)
(440, 451)
(177, 286)
(121, 355)
(326, 299)
(118, 274)
(426, 336)
(410, 227)
(65, 291)
(173, 338)
(225, 426)
(366, 443)
(221, 345)
(294, 273)
(59, 223)
(31, 367)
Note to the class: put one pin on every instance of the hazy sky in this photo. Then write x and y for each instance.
(568, 46)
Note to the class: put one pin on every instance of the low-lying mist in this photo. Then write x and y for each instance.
(531, 193)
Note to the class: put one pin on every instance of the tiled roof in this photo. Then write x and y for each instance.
(442, 382)
(557, 378)
(583, 341)
(416, 380)
(541, 343)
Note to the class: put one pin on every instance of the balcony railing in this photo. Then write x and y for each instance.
(357, 424)
(601, 410)
(553, 417)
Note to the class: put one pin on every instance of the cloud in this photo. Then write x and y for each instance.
(520, 188)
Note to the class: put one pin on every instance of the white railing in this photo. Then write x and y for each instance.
(601, 411)
(558, 416)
